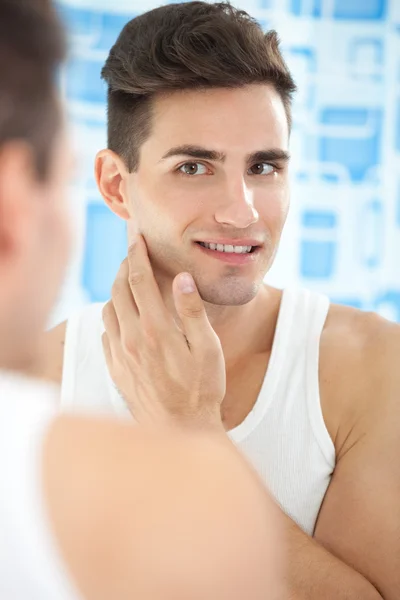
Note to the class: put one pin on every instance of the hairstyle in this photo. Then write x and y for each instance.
(31, 49)
(188, 46)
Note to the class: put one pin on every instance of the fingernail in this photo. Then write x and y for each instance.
(186, 283)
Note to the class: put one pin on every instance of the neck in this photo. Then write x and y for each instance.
(11, 360)
(243, 330)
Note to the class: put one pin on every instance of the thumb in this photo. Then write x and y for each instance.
(191, 310)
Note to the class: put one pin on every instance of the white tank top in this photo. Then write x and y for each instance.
(30, 564)
(284, 436)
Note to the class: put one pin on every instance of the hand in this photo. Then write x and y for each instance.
(162, 372)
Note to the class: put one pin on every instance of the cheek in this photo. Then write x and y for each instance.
(273, 209)
(60, 226)
(167, 204)
(67, 235)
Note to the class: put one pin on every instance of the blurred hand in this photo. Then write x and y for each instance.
(162, 372)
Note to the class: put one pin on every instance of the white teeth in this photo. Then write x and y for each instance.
(228, 248)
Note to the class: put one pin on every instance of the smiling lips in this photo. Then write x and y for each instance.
(232, 251)
(227, 248)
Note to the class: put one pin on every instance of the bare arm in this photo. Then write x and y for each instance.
(159, 515)
(315, 572)
(356, 551)
(360, 518)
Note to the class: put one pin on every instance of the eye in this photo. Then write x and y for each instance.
(261, 169)
(192, 168)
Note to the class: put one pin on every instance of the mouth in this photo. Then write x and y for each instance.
(229, 248)
(240, 253)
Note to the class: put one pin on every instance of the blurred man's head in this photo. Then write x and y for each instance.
(34, 166)
(199, 115)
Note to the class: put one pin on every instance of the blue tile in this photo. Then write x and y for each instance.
(344, 116)
(372, 220)
(397, 126)
(106, 247)
(360, 153)
(330, 177)
(302, 176)
(265, 4)
(348, 301)
(343, 9)
(319, 219)
(308, 54)
(298, 8)
(389, 300)
(112, 25)
(264, 24)
(99, 29)
(83, 81)
(317, 259)
(360, 44)
(398, 205)
(360, 9)
(81, 23)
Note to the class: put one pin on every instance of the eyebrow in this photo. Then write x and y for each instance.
(199, 152)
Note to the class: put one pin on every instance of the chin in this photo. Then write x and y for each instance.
(234, 293)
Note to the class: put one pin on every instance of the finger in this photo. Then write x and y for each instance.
(123, 302)
(107, 351)
(110, 320)
(191, 310)
(142, 282)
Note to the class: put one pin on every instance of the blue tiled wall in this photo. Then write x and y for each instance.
(345, 56)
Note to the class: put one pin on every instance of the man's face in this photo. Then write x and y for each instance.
(34, 259)
(213, 171)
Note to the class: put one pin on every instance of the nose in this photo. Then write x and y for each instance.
(238, 209)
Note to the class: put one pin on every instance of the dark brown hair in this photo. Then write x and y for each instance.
(193, 45)
(31, 49)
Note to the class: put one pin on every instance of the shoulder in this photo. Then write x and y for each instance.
(81, 328)
(359, 370)
(360, 340)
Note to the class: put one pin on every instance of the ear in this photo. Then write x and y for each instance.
(18, 204)
(111, 173)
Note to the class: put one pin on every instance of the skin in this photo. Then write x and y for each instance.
(140, 332)
(188, 520)
(355, 552)
(191, 500)
(34, 230)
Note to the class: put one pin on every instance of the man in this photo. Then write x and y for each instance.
(93, 508)
(197, 163)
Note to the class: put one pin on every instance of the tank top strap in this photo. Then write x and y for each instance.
(308, 312)
(82, 346)
(294, 361)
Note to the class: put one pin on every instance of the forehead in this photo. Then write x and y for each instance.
(243, 119)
